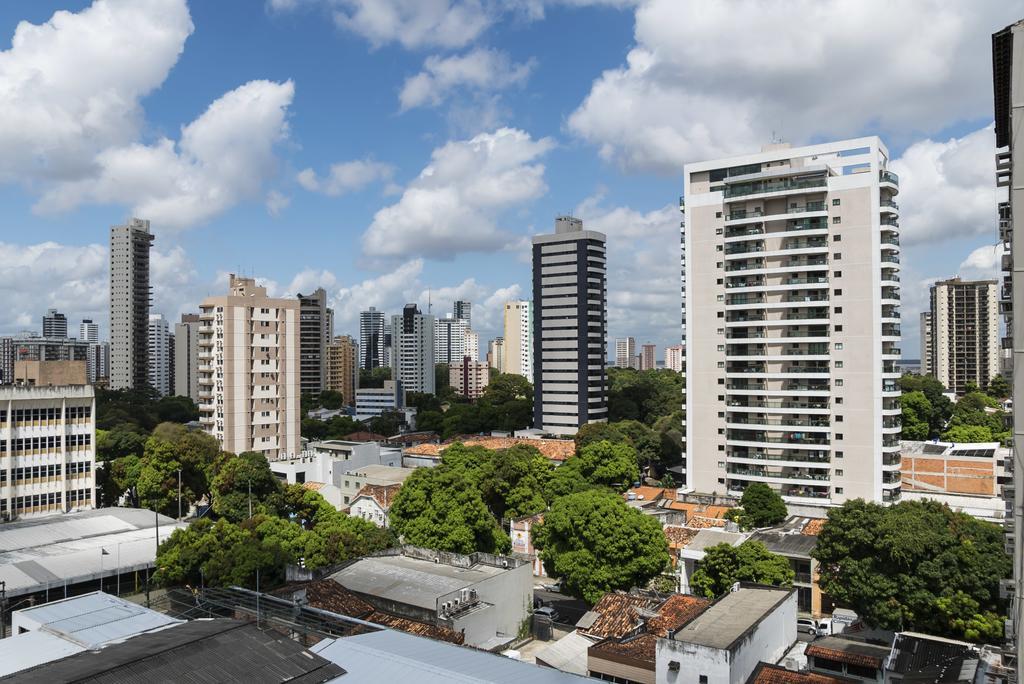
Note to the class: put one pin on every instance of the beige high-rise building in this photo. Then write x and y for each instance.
(965, 333)
(792, 323)
(249, 370)
(496, 353)
(674, 357)
(343, 367)
(469, 378)
(517, 350)
(648, 354)
(129, 304)
(625, 352)
(927, 341)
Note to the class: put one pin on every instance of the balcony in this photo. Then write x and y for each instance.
(888, 204)
(888, 177)
(768, 186)
(764, 404)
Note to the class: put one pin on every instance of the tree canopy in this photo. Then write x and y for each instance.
(762, 506)
(751, 561)
(602, 464)
(916, 565)
(596, 543)
(645, 395)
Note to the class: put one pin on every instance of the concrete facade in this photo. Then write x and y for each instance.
(792, 323)
(517, 355)
(470, 377)
(496, 353)
(249, 370)
(625, 352)
(374, 401)
(964, 333)
(450, 339)
(648, 354)
(569, 328)
(725, 643)
(343, 367)
(55, 324)
(48, 435)
(371, 339)
(674, 355)
(159, 355)
(31, 348)
(186, 357)
(129, 304)
(927, 341)
(314, 337)
(413, 350)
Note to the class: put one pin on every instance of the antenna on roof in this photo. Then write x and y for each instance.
(429, 305)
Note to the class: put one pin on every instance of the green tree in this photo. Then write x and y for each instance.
(762, 506)
(591, 433)
(442, 508)
(751, 561)
(120, 441)
(340, 537)
(514, 481)
(387, 423)
(917, 412)
(998, 388)
(643, 395)
(933, 390)
(602, 464)
(176, 409)
(894, 564)
(644, 439)
(374, 378)
(596, 543)
(968, 433)
(242, 479)
(430, 421)
(332, 400)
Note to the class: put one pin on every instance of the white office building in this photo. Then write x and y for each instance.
(793, 324)
(129, 304)
(159, 354)
(48, 445)
(413, 348)
(570, 328)
(450, 339)
(517, 343)
(625, 352)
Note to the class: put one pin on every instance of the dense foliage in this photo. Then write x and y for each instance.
(915, 566)
(760, 506)
(751, 561)
(645, 396)
(596, 543)
(976, 417)
(507, 405)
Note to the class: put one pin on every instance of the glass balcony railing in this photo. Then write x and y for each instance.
(888, 177)
(889, 203)
(779, 404)
(757, 187)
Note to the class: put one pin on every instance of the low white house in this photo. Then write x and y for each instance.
(373, 502)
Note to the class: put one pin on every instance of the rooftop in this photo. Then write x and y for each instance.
(68, 548)
(384, 495)
(554, 449)
(775, 674)
(790, 545)
(953, 450)
(732, 616)
(389, 656)
(94, 620)
(925, 658)
(852, 651)
(706, 538)
(411, 580)
(218, 650)
(382, 473)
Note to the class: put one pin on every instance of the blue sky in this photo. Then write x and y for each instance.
(456, 129)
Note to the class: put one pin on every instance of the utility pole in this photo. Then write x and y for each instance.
(250, 498)
(179, 493)
(3, 609)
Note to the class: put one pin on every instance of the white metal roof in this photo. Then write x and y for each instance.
(93, 620)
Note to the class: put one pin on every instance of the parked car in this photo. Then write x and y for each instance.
(807, 626)
(554, 586)
(548, 612)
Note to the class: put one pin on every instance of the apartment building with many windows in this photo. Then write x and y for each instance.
(964, 333)
(343, 367)
(792, 323)
(129, 304)
(625, 352)
(517, 343)
(314, 336)
(47, 441)
(249, 370)
(412, 350)
(570, 328)
(371, 339)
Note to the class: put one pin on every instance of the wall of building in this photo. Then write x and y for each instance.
(510, 592)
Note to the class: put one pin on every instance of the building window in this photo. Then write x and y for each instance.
(837, 219)
(721, 347)
(839, 435)
(835, 202)
(839, 454)
(837, 274)
(703, 679)
(839, 473)
(837, 238)
(839, 490)
(839, 328)
(839, 309)
(718, 231)
(837, 256)
(839, 382)
(839, 364)
(718, 214)
(839, 419)
(837, 292)
(839, 346)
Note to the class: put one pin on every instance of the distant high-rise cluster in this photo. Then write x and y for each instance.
(960, 334)
(625, 352)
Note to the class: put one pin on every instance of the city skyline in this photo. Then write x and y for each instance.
(348, 178)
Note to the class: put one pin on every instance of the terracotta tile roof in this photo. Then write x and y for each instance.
(676, 611)
(384, 495)
(702, 523)
(326, 594)
(642, 647)
(418, 628)
(313, 486)
(648, 493)
(773, 674)
(696, 509)
(553, 449)
(617, 614)
(678, 536)
(415, 438)
(845, 656)
(813, 527)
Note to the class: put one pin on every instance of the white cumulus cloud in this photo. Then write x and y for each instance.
(222, 157)
(413, 23)
(71, 87)
(479, 70)
(455, 203)
(345, 177)
(712, 79)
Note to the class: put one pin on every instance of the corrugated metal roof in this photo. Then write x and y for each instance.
(96, 619)
(22, 651)
(568, 654)
(67, 549)
(389, 656)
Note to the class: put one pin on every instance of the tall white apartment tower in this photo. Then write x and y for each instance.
(792, 323)
(97, 361)
(965, 333)
(159, 353)
(625, 352)
(129, 304)
(517, 346)
(249, 374)
(55, 324)
(569, 328)
(371, 339)
(186, 357)
(927, 341)
(412, 356)
(450, 339)
(89, 331)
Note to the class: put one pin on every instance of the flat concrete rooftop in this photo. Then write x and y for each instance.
(730, 617)
(410, 580)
